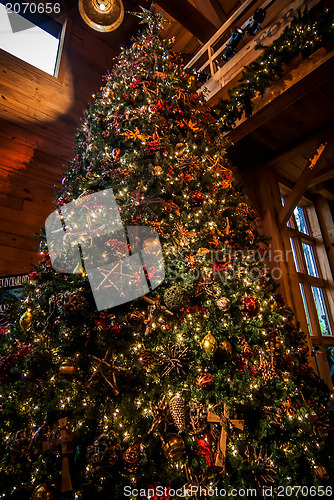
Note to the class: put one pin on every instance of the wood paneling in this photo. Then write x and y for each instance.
(39, 115)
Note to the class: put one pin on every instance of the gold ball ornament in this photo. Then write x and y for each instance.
(136, 317)
(226, 346)
(68, 369)
(180, 148)
(26, 320)
(116, 153)
(205, 381)
(209, 344)
(223, 304)
(173, 447)
(151, 246)
(131, 458)
(42, 492)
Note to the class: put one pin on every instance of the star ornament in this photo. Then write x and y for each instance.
(107, 370)
(150, 16)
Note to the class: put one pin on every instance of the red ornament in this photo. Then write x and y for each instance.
(155, 147)
(196, 199)
(135, 83)
(205, 448)
(32, 276)
(7, 362)
(250, 307)
(62, 200)
(107, 323)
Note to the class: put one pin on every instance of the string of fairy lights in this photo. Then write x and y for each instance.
(195, 329)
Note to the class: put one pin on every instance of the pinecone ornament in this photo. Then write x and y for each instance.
(136, 318)
(177, 408)
(69, 301)
(267, 368)
(147, 358)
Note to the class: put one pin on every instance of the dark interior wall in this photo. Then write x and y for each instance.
(39, 115)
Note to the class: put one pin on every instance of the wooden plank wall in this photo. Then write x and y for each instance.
(39, 115)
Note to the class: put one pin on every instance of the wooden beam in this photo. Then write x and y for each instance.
(190, 18)
(323, 176)
(325, 191)
(212, 10)
(327, 228)
(262, 184)
(306, 143)
(300, 187)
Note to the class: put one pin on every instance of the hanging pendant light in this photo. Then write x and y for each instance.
(102, 15)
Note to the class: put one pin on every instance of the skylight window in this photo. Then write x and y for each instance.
(29, 34)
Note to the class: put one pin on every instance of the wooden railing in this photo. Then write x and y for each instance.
(209, 58)
(208, 47)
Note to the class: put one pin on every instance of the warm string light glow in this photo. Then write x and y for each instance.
(238, 378)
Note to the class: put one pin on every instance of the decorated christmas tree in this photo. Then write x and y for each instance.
(201, 382)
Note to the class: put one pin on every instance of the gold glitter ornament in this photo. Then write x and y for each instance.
(26, 321)
(209, 344)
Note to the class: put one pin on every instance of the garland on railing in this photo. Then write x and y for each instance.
(307, 33)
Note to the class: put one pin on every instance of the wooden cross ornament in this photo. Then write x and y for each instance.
(224, 421)
(66, 442)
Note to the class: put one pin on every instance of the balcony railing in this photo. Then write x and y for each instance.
(221, 70)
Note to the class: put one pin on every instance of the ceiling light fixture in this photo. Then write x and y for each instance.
(102, 15)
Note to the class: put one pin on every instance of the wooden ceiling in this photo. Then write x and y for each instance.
(289, 133)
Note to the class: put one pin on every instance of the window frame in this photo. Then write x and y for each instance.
(58, 74)
(305, 279)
